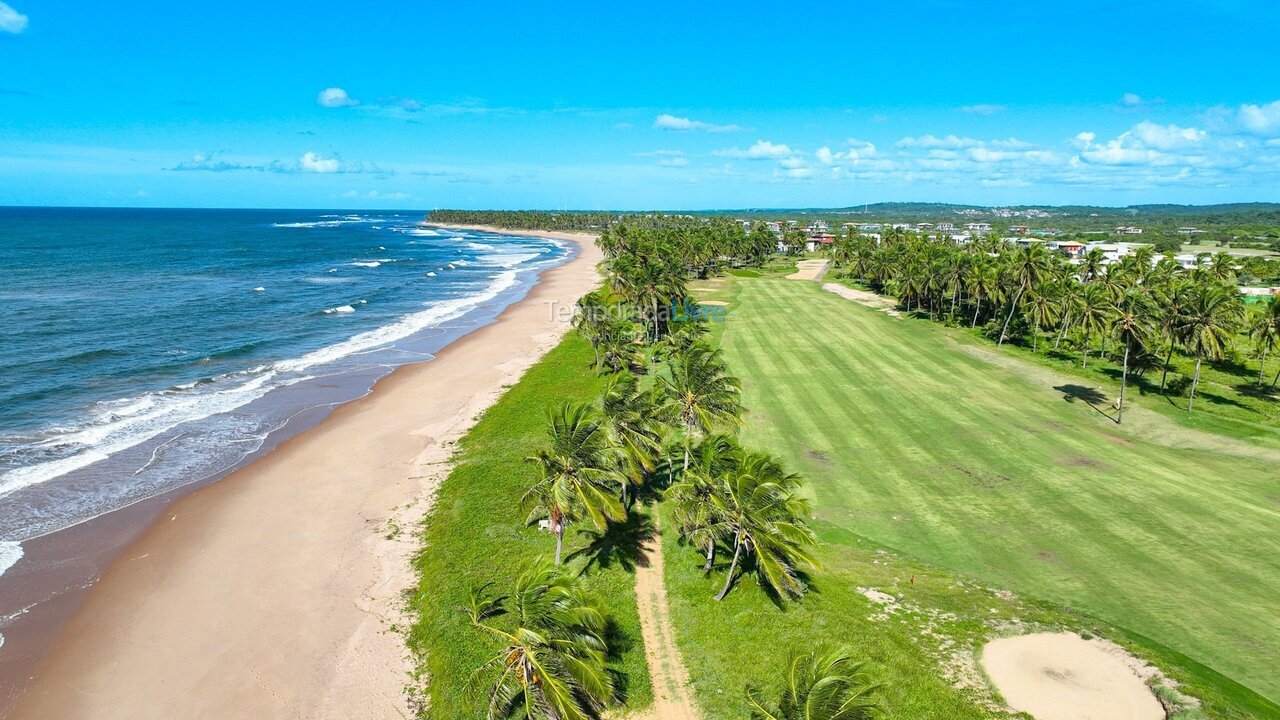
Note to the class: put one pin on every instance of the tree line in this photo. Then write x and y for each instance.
(1140, 309)
(663, 428)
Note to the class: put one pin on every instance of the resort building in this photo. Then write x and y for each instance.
(946, 227)
(977, 227)
(1019, 229)
(924, 226)
(1128, 230)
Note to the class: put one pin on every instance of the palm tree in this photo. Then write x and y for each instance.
(1093, 307)
(691, 499)
(591, 319)
(984, 282)
(1029, 265)
(699, 393)
(1212, 317)
(1172, 300)
(1042, 310)
(552, 662)
(758, 507)
(823, 684)
(577, 476)
(1265, 333)
(635, 430)
(1131, 325)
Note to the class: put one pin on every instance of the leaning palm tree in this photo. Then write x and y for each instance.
(822, 684)
(759, 508)
(577, 476)
(1265, 333)
(552, 663)
(1132, 326)
(699, 393)
(1212, 317)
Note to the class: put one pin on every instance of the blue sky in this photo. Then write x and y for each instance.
(637, 105)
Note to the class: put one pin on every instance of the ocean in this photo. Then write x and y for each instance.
(145, 350)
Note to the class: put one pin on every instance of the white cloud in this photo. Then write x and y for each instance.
(1261, 119)
(826, 157)
(1167, 137)
(982, 109)
(1132, 100)
(375, 195)
(674, 162)
(762, 150)
(11, 21)
(1146, 143)
(931, 141)
(335, 97)
(671, 122)
(311, 162)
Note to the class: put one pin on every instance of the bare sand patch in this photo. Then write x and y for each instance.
(717, 303)
(810, 270)
(1061, 676)
(864, 297)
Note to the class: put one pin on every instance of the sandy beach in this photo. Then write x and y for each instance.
(272, 593)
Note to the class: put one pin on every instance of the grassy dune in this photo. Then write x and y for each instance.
(981, 466)
(476, 535)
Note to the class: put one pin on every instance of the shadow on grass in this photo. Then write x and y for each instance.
(1257, 392)
(1093, 397)
(620, 544)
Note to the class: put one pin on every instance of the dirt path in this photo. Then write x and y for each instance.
(672, 699)
(810, 270)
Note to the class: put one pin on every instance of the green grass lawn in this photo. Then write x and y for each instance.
(968, 464)
(476, 535)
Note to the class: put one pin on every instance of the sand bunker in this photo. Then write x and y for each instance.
(810, 270)
(1061, 676)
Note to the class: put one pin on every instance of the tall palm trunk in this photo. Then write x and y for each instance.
(1195, 381)
(976, 310)
(1084, 356)
(1262, 367)
(1167, 358)
(1124, 383)
(559, 541)
(711, 556)
(1012, 306)
(733, 566)
(1274, 380)
(1062, 333)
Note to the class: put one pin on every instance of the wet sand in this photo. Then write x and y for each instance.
(271, 593)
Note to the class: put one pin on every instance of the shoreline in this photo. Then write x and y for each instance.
(270, 592)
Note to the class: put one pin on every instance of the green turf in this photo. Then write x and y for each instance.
(476, 535)
(964, 463)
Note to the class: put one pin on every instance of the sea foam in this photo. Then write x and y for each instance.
(10, 553)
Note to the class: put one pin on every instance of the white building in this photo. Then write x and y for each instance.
(1128, 230)
(977, 227)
